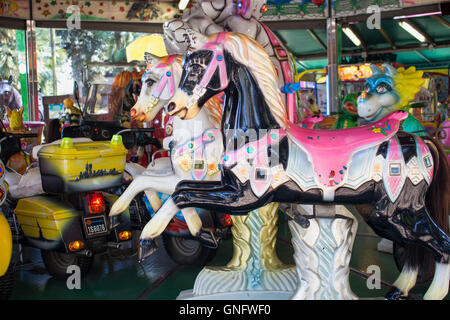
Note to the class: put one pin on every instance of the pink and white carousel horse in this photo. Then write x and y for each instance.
(196, 144)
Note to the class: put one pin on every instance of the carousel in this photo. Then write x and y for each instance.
(223, 156)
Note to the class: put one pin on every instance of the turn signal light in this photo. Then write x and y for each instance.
(125, 235)
(76, 245)
(226, 220)
(96, 202)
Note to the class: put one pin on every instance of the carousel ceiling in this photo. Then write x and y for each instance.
(390, 43)
(305, 38)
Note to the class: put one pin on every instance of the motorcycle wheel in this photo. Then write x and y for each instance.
(187, 251)
(57, 263)
(7, 283)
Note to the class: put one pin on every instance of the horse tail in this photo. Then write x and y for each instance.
(437, 199)
(437, 202)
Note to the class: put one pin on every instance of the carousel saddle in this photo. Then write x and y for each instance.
(330, 150)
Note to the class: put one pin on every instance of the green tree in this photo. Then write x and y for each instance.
(8, 56)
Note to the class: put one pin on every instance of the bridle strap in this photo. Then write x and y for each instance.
(166, 79)
(217, 62)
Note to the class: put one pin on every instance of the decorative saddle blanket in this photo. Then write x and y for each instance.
(328, 159)
(330, 150)
(191, 155)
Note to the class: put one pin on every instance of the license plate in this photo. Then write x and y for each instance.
(95, 225)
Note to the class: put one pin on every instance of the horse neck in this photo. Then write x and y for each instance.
(184, 130)
(245, 107)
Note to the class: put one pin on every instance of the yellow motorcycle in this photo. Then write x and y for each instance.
(60, 204)
(6, 270)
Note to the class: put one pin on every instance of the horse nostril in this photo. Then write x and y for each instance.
(171, 106)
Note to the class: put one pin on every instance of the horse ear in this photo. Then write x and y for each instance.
(194, 40)
(8, 112)
(150, 58)
(390, 70)
(375, 69)
(21, 110)
(10, 79)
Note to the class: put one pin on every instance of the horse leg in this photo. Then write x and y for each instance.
(439, 286)
(160, 220)
(404, 283)
(228, 196)
(193, 221)
(143, 183)
(410, 226)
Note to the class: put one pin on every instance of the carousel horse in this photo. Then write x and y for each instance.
(9, 96)
(196, 144)
(268, 159)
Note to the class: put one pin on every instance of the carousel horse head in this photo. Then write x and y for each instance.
(219, 60)
(9, 96)
(388, 90)
(159, 82)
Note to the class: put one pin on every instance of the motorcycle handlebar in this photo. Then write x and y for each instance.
(142, 129)
(22, 135)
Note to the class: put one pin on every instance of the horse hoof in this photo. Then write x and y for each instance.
(396, 294)
(302, 221)
(206, 238)
(132, 113)
(146, 248)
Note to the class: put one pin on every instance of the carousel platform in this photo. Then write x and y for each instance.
(121, 277)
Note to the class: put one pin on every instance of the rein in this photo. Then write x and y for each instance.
(217, 62)
(167, 79)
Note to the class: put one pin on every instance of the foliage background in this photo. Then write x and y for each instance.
(73, 48)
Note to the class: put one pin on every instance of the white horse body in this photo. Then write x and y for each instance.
(188, 150)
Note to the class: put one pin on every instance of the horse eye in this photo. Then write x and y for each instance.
(149, 82)
(196, 67)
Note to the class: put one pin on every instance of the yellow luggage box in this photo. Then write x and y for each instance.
(80, 167)
(44, 217)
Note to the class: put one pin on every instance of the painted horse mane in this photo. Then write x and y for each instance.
(251, 54)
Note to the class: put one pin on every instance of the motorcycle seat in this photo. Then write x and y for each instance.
(26, 185)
